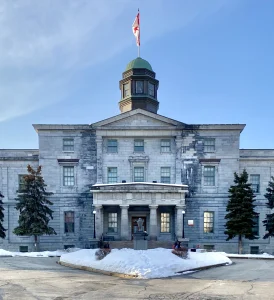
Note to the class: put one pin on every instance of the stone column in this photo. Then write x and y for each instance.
(178, 161)
(179, 221)
(99, 217)
(153, 222)
(99, 142)
(124, 222)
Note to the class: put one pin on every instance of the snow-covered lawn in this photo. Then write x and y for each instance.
(264, 255)
(154, 263)
(33, 254)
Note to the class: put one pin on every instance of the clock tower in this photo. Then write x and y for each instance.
(139, 87)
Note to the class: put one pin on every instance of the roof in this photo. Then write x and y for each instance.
(138, 63)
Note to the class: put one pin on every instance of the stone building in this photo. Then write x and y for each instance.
(175, 176)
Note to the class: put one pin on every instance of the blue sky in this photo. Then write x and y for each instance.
(61, 61)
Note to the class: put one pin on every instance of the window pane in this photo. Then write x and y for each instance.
(112, 222)
(112, 146)
(138, 145)
(139, 174)
(208, 222)
(209, 176)
(151, 89)
(165, 175)
(209, 145)
(165, 145)
(69, 221)
(112, 175)
(255, 182)
(165, 222)
(255, 228)
(126, 89)
(68, 176)
(68, 144)
(22, 183)
(139, 87)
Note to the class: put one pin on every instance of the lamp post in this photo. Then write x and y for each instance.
(183, 234)
(94, 231)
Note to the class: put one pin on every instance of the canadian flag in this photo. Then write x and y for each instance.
(136, 28)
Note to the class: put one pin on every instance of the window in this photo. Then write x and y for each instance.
(139, 174)
(126, 90)
(209, 176)
(165, 222)
(112, 222)
(68, 144)
(255, 228)
(255, 183)
(165, 146)
(139, 87)
(112, 175)
(139, 146)
(165, 175)
(68, 176)
(209, 145)
(208, 222)
(151, 89)
(69, 221)
(112, 146)
(22, 182)
(254, 250)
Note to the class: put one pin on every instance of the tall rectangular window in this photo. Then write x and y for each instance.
(209, 145)
(139, 174)
(165, 146)
(139, 87)
(139, 146)
(126, 90)
(255, 182)
(112, 146)
(68, 176)
(209, 176)
(68, 145)
(112, 222)
(165, 174)
(69, 221)
(22, 182)
(165, 222)
(112, 175)
(208, 222)
(255, 228)
(151, 89)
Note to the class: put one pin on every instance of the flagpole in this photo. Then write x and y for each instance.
(139, 34)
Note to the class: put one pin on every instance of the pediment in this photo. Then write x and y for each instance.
(138, 118)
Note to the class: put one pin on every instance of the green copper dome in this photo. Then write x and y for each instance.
(138, 63)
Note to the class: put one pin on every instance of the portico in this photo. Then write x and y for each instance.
(119, 205)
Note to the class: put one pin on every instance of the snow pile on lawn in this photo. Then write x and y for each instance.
(154, 263)
(57, 253)
(264, 255)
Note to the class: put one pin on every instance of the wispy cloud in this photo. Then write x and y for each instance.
(42, 43)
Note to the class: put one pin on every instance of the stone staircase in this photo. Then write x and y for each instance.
(151, 244)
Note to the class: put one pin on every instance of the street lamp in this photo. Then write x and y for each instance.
(94, 232)
(183, 213)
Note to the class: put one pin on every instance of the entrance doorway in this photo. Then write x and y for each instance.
(134, 225)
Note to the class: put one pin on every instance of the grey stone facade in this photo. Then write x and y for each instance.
(137, 164)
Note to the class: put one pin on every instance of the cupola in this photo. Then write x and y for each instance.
(139, 87)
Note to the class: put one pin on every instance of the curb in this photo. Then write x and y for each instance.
(259, 258)
(90, 269)
(6, 256)
(204, 268)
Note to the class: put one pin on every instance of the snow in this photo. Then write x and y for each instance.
(264, 255)
(57, 253)
(153, 263)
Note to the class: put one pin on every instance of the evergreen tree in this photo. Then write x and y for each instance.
(33, 206)
(269, 220)
(2, 229)
(240, 210)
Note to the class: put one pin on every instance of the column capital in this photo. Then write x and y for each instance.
(153, 206)
(98, 207)
(124, 206)
(181, 207)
